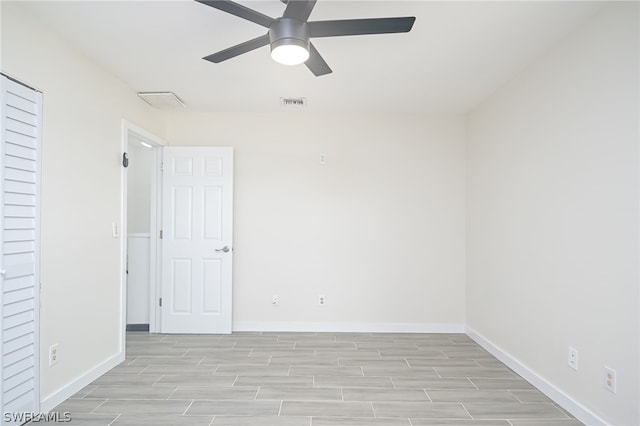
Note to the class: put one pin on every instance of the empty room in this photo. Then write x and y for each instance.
(316, 213)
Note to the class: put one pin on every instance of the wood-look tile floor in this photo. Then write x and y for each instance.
(311, 379)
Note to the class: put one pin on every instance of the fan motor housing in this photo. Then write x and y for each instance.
(289, 31)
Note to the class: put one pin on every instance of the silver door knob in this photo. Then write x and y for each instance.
(3, 272)
(224, 249)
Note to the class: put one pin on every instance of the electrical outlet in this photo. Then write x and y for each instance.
(610, 382)
(322, 300)
(323, 158)
(274, 300)
(53, 354)
(573, 358)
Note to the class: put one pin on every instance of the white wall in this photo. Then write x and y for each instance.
(138, 278)
(139, 175)
(378, 229)
(552, 217)
(83, 109)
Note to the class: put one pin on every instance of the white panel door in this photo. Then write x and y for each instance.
(19, 251)
(197, 224)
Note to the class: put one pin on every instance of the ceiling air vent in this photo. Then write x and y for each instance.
(162, 100)
(293, 102)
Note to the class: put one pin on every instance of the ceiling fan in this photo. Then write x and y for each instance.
(289, 35)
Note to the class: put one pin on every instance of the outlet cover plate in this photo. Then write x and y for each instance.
(53, 355)
(610, 381)
(573, 358)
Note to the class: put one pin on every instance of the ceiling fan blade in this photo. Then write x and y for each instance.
(360, 26)
(238, 49)
(240, 11)
(299, 9)
(316, 64)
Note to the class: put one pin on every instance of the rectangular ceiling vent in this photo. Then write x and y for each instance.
(293, 102)
(162, 100)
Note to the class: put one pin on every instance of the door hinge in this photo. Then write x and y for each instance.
(160, 301)
(161, 234)
(162, 167)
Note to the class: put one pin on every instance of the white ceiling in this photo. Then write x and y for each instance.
(457, 54)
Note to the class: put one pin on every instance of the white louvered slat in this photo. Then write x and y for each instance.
(18, 343)
(15, 332)
(22, 116)
(22, 104)
(18, 259)
(18, 295)
(19, 253)
(17, 367)
(16, 392)
(22, 91)
(22, 377)
(12, 309)
(19, 211)
(19, 246)
(16, 271)
(12, 199)
(12, 284)
(23, 400)
(22, 140)
(18, 355)
(20, 223)
(18, 235)
(20, 127)
(20, 151)
(19, 187)
(18, 176)
(19, 163)
(18, 319)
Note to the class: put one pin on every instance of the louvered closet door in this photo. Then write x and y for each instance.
(19, 252)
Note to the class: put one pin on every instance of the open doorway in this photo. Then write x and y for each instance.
(139, 238)
(198, 213)
(140, 176)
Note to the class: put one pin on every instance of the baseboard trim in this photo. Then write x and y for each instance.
(65, 392)
(348, 327)
(578, 410)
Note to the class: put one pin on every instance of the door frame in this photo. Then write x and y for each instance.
(130, 130)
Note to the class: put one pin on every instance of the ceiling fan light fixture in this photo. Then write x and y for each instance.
(289, 39)
(290, 54)
(289, 35)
